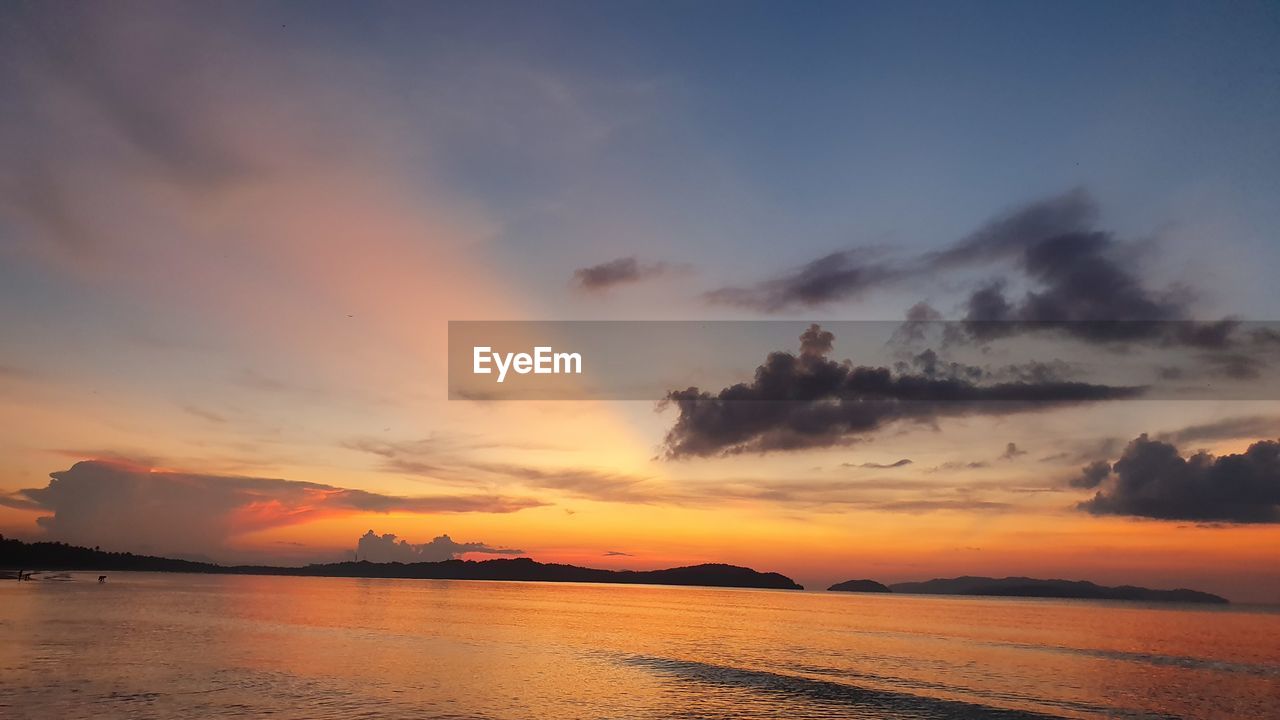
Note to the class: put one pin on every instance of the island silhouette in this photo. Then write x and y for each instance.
(16, 554)
(1030, 587)
(867, 586)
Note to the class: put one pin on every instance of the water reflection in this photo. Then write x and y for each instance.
(154, 645)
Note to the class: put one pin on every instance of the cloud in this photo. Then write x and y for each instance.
(1083, 281)
(133, 507)
(583, 483)
(438, 459)
(1083, 451)
(617, 553)
(1007, 235)
(1081, 277)
(1151, 479)
(953, 465)
(1233, 365)
(899, 495)
(881, 466)
(388, 548)
(1092, 475)
(1011, 451)
(1076, 279)
(617, 272)
(257, 216)
(1226, 429)
(848, 274)
(930, 364)
(838, 276)
(806, 401)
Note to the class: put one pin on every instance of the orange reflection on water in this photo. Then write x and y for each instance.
(209, 646)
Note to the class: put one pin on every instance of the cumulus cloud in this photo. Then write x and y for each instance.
(1092, 475)
(389, 548)
(132, 507)
(1151, 479)
(807, 400)
(617, 272)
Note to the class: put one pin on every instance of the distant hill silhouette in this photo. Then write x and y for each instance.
(867, 586)
(16, 554)
(1032, 587)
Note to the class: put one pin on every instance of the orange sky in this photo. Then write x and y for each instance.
(259, 287)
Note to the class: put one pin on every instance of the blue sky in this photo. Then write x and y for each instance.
(748, 135)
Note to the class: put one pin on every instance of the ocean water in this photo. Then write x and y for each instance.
(199, 646)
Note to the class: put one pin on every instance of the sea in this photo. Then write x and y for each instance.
(159, 645)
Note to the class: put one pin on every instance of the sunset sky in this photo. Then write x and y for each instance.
(232, 237)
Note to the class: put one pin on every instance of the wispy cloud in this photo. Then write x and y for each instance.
(623, 271)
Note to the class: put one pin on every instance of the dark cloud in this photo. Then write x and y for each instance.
(389, 548)
(806, 400)
(919, 319)
(617, 553)
(816, 342)
(1092, 475)
(1070, 277)
(881, 466)
(1082, 288)
(838, 276)
(1233, 365)
(135, 507)
(1081, 276)
(1006, 236)
(617, 272)
(1151, 479)
(960, 465)
(1226, 429)
(1011, 451)
(929, 364)
(1083, 451)
(848, 274)
(1084, 282)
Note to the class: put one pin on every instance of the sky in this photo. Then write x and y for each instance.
(232, 237)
